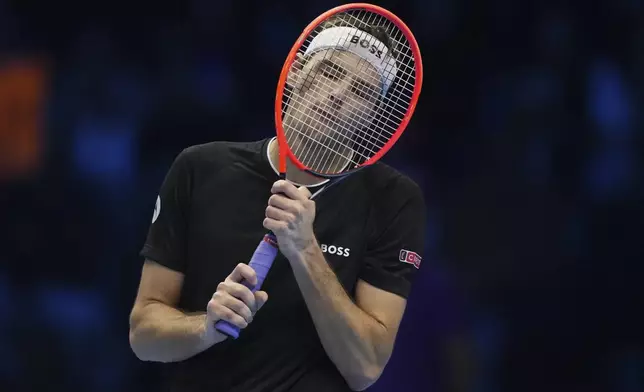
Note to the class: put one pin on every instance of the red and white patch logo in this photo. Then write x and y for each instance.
(409, 257)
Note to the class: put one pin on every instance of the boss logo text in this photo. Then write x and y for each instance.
(335, 250)
(366, 44)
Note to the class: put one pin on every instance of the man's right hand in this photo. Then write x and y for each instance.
(233, 301)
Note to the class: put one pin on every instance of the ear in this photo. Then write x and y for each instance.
(294, 73)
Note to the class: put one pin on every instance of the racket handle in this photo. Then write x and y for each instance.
(261, 262)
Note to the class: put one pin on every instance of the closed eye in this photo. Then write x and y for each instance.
(332, 70)
(330, 75)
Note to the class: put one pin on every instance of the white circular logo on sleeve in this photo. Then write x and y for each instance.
(157, 210)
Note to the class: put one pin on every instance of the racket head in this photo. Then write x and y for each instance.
(345, 96)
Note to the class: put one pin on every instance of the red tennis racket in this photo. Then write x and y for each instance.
(346, 93)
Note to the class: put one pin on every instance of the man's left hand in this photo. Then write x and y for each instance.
(289, 215)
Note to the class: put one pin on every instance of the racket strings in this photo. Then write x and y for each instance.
(315, 154)
(350, 123)
(367, 90)
(309, 150)
(405, 72)
(399, 43)
(329, 137)
(323, 157)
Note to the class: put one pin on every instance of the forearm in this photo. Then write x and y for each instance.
(161, 333)
(352, 338)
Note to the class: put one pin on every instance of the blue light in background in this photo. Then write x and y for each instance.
(610, 172)
(103, 152)
(216, 83)
(610, 109)
(609, 105)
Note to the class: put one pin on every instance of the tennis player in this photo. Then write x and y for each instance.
(328, 312)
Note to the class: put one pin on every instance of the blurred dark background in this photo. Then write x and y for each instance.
(527, 140)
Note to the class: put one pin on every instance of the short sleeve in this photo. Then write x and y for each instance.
(395, 250)
(165, 240)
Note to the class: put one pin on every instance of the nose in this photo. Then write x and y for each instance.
(337, 95)
(336, 100)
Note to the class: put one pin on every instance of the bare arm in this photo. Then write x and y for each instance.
(158, 330)
(358, 337)
(162, 333)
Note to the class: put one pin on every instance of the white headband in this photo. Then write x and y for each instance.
(361, 44)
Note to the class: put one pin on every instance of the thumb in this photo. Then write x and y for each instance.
(304, 191)
(260, 299)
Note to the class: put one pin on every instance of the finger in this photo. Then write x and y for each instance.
(243, 272)
(283, 203)
(274, 225)
(260, 299)
(305, 192)
(222, 302)
(239, 291)
(288, 189)
(237, 306)
(218, 311)
(278, 214)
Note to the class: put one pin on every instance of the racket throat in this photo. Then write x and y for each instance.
(300, 177)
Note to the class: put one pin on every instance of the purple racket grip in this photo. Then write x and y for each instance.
(261, 262)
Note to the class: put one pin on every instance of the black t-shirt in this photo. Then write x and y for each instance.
(208, 218)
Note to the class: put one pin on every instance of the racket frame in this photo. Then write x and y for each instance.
(284, 151)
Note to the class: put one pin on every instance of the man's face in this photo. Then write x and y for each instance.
(335, 95)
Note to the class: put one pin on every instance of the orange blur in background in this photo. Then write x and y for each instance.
(22, 100)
